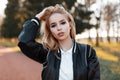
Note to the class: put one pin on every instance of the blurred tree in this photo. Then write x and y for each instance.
(97, 26)
(10, 26)
(118, 22)
(33, 7)
(69, 3)
(109, 16)
(1, 21)
(18, 11)
(88, 3)
(82, 17)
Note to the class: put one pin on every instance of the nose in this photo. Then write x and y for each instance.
(59, 27)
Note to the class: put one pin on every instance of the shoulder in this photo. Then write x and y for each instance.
(33, 21)
(83, 45)
(87, 48)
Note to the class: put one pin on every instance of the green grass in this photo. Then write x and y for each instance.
(108, 54)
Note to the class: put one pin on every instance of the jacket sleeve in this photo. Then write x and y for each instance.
(93, 65)
(27, 43)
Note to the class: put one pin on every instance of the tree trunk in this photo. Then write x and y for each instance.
(97, 38)
(108, 30)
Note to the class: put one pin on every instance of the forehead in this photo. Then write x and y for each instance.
(57, 17)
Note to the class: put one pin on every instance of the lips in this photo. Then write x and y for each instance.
(60, 34)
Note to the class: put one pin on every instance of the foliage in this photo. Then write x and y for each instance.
(10, 26)
(18, 11)
(110, 16)
(82, 17)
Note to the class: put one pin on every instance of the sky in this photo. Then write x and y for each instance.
(95, 8)
(2, 6)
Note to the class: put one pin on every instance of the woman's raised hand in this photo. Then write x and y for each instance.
(44, 12)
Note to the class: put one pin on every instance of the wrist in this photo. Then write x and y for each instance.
(37, 16)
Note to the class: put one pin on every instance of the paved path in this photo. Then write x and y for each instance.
(16, 66)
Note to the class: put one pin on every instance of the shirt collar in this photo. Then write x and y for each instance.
(68, 51)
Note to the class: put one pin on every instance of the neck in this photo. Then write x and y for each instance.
(66, 44)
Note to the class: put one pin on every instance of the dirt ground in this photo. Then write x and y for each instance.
(16, 66)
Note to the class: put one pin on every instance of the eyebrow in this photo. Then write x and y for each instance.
(59, 21)
(53, 23)
(62, 20)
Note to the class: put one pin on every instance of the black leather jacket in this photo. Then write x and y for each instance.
(85, 62)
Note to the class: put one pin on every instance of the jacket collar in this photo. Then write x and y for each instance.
(73, 51)
(74, 46)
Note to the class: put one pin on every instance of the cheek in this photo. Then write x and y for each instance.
(68, 28)
(53, 32)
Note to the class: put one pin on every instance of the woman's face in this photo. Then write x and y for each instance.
(59, 26)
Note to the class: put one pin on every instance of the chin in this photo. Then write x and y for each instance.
(61, 39)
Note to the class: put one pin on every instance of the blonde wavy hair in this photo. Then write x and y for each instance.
(48, 39)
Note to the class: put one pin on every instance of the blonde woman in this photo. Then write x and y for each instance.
(62, 57)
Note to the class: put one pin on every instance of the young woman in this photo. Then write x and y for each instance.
(62, 57)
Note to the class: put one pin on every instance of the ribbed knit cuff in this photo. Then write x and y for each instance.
(36, 20)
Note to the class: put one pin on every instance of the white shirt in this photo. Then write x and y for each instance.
(66, 66)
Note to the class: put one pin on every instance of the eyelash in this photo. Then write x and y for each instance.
(55, 25)
(63, 23)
